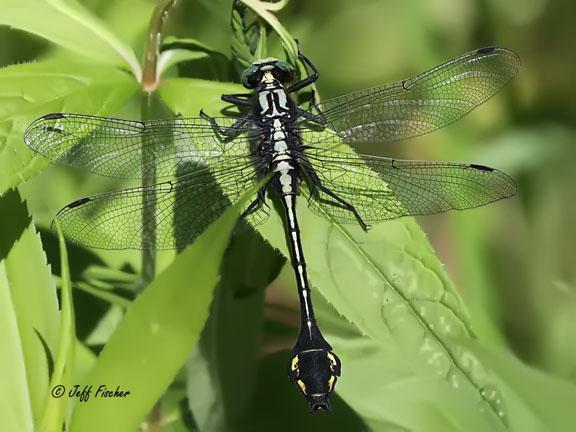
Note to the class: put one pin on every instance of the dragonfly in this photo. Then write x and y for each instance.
(280, 149)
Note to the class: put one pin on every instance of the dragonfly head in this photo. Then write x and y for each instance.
(315, 371)
(266, 70)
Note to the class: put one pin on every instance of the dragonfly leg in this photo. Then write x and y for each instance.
(314, 104)
(318, 120)
(241, 99)
(310, 79)
(317, 185)
(229, 133)
(257, 203)
(346, 204)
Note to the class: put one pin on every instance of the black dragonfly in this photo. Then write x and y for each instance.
(211, 162)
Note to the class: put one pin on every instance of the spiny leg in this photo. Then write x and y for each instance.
(257, 203)
(314, 104)
(316, 185)
(317, 119)
(226, 134)
(240, 99)
(310, 79)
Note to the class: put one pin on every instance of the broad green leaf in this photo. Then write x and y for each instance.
(172, 57)
(198, 94)
(385, 390)
(25, 86)
(174, 51)
(69, 24)
(55, 407)
(132, 30)
(548, 399)
(29, 311)
(28, 91)
(156, 335)
(15, 407)
(391, 286)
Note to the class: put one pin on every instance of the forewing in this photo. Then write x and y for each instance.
(182, 208)
(382, 188)
(417, 105)
(133, 149)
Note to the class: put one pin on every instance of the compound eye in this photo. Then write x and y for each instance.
(251, 77)
(283, 72)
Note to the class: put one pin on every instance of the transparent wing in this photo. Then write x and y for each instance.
(382, 188)
(182, 208)
(417, 105)
(133, 149)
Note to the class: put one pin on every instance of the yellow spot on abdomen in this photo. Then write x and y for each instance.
(331, 383)
(294, 363)
(302, 386)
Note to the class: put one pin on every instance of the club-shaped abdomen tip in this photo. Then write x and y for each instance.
(315, 371)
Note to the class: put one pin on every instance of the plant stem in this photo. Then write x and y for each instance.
(149, 201)
(150, 76)
(150, 79)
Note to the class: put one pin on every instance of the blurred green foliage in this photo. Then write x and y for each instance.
(513, 263)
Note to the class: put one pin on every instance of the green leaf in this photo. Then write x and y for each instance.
(203, 95)
(69, 24)
(55, 407)
(24, 96)
(29, 307)
(384, 389)
(548, 400)
(174, 51)
(132, 30)
(156, 335)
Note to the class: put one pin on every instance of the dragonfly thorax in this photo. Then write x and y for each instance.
(272, 102)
